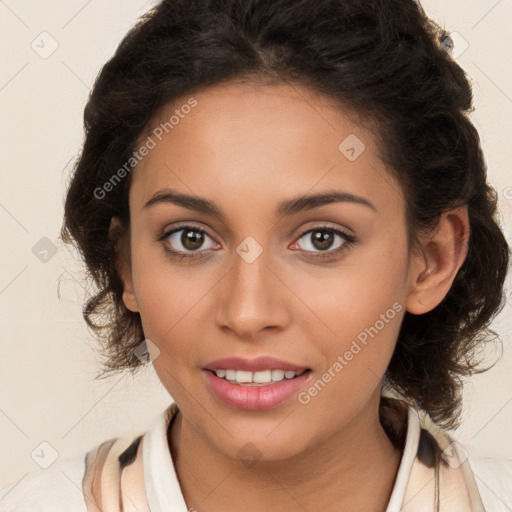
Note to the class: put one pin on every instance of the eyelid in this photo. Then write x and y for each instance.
(180, 255)
(167, 232)
(182, 225)
(319, 225)
(348, 239)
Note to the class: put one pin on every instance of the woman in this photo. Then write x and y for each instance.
(285, 208)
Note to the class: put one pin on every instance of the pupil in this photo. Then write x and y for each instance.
(192, 239)
(323, 238)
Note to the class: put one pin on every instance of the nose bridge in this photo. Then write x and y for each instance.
(249, 299)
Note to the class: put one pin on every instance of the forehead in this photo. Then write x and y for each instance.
(254, 142)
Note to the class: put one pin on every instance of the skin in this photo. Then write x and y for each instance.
(247, 148)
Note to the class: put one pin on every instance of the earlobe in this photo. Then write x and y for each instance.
(120, 236)
(432, 272)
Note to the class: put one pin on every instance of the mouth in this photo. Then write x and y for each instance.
(260, 378)
(255, 365)
(255, 384)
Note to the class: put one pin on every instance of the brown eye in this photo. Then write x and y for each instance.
(323, 239)
(186, 239)
(192, 239)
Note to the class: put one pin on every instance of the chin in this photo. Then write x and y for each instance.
(270, 441)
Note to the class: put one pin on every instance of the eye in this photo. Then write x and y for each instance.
(322, 238)
(188, 241)
(185, 239)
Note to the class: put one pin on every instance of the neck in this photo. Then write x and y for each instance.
(355, 469)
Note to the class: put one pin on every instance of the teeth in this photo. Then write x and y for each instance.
(262, 377)
(242, 376)
(255, 378)
(277, 375)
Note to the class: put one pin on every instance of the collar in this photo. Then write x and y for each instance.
(162, 487)
(140, 473)
(163, 491)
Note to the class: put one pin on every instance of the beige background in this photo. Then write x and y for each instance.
(47, 391)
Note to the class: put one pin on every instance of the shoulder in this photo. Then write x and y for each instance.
(466, 471)
(488, 476)
(493, 477)
(101, 477)
(68, 484)
(56, 488)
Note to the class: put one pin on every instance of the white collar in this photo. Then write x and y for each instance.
(408, 458)
(163, 491)
(161, 481)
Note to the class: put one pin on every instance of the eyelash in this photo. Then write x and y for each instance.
(349, 242)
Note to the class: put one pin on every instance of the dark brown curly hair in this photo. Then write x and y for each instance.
(384, 59)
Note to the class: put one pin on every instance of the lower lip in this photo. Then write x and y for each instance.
(255, 398)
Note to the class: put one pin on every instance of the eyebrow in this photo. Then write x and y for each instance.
(286, 208)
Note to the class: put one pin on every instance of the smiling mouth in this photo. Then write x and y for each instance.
(259, 378)
(256, 384)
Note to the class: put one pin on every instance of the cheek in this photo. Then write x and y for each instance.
(169, 305)
(157, 291)
(365, 332)
(354, 295)
(362, 306)
(355, 362)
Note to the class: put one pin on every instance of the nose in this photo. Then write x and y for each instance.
(252, 298)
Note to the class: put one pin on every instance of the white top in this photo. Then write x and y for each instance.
(138, 471)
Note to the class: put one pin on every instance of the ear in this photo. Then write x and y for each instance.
(120, 235)
(432, 270)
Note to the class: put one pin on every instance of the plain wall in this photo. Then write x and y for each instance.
(47, 387)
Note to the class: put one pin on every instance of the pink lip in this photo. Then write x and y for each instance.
(255, 398)
(253, 365)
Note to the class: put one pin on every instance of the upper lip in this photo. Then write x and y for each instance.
(253, 365)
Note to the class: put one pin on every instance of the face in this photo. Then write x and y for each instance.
(317, 285)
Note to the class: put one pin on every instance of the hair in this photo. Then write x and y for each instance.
(383, 59)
